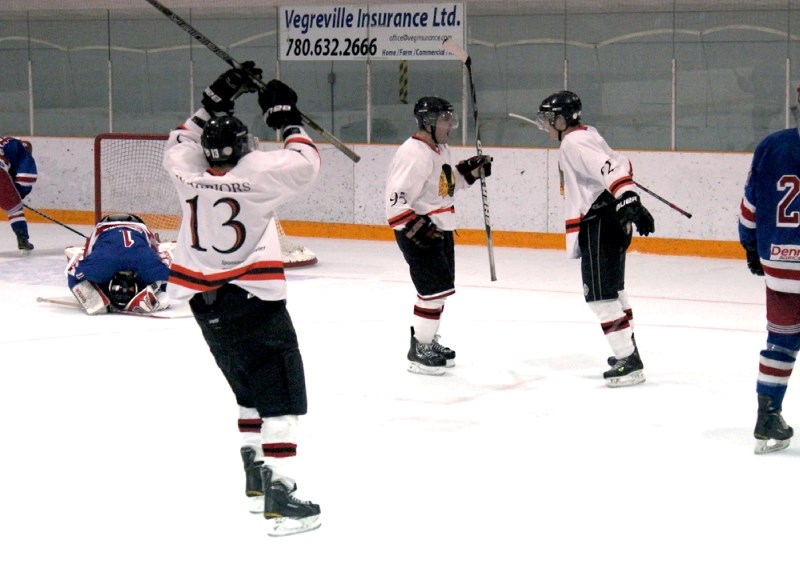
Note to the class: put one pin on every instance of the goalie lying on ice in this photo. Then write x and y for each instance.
(121, 268)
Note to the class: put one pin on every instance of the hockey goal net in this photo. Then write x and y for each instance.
(129, 178)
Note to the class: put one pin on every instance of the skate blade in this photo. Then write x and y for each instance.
(768, 445)
(416, 367)
(285, 526)
(450, 363)
(256, 503)
(633, 378)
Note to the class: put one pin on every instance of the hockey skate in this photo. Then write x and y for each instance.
(612, 360)
(771, 432)
(253, 487)
(286, 514)
(24, 245)
(626, 371)
(424, 359)
(448, 354)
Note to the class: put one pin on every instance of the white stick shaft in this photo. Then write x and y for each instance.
(450, 45)
(64, 302)
(523, 118)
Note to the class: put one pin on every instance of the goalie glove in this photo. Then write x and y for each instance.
(471, 168)
(91, 298)
(422, 232)
(149, 299)
(218, 97)
(630, 209)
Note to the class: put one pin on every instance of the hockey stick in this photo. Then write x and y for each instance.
(62, 302)
(523, 118)
(450, 45)
(51, 219)
(219, 52)
(665, 201)
(75, 304)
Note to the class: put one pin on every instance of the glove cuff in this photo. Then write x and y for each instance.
(289, 131)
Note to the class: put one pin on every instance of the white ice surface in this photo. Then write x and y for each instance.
(120, 444)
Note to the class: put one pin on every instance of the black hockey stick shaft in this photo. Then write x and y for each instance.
(454, 48)
(222, 54)
(51, 219)
(665, 201)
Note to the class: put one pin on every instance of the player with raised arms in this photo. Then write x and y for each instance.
(228, 265)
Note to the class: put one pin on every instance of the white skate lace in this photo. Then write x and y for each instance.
(438, 347)
(290, 494)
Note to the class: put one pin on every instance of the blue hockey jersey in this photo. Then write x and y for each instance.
(16, 160)
(769, 218)
(115, 247)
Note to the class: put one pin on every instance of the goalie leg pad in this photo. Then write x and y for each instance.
(90, 297)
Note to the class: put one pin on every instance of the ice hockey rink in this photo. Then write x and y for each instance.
(120, 444)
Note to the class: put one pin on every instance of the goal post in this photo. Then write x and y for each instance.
(129, 178)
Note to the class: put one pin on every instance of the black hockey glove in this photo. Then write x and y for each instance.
(754, 262)
(219, 96)
(471, 168)
(422, 232)
(278, 102)
(630, 209)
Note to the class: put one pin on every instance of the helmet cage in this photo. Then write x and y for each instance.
(122, 288)
(563, 103)
(429, 110)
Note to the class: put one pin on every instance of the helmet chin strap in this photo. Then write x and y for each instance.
(560, 132)
(433, 133)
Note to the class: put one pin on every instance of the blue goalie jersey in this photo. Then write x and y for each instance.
(115, 247)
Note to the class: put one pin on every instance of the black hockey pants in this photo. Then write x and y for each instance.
(255, 345)
(603, 244)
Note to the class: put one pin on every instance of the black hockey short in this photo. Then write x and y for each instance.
(255, 345)
(432, 269)
(603, 244)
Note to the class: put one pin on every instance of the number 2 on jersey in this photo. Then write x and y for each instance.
(786, 219)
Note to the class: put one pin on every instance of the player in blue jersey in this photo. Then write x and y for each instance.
(769, 231)
(17, 175)
(120, 268)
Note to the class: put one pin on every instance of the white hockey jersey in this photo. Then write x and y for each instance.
(228, 232)
(422, 181)
(589, 167)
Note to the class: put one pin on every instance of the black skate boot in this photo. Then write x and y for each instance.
(424, 359)
(287, 514)
(626, 371)
(253, 488)
(448, 354)
(612, 360)
(771, 432)
(24, 244)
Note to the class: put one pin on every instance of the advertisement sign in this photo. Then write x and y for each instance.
(359, 32)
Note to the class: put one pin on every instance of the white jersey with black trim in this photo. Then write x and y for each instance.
(228, 232)
(422, 181)
(589, 167)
